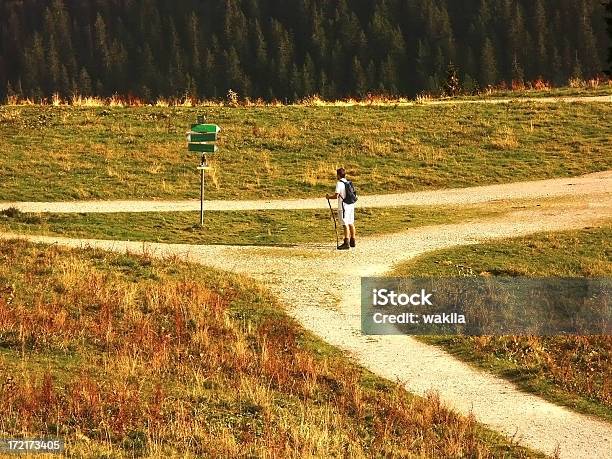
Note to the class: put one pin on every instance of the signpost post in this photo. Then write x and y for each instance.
(201, 139)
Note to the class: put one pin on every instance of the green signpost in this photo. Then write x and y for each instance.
(205, 128)
(202, 147)
(210, 137)
(201, 139)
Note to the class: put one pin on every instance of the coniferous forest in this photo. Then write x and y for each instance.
(288, 49)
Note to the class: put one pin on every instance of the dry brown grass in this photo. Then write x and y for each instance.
(573, 370)
(320, 174)
(275, 152)
(234, 99)
(127, 356)
(504, 139)
(575, 364)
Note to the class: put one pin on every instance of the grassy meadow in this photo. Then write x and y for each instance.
(265, 227)
(236, 228)
(127, 356)
(70, 152)
(574, 371)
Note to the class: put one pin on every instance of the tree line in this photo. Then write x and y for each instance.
(609, 21)
(289, 49)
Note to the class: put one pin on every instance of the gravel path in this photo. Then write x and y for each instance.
(592, 183)
(487, 100)
(307, 278)
(509, 100)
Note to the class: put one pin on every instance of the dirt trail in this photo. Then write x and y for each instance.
(306, 278)
(591, 183)
(508, 100)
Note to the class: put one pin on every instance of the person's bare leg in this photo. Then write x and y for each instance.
(352, 233)
(345, 245)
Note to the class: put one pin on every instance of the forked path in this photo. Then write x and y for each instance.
(557, 187)
(321, 289)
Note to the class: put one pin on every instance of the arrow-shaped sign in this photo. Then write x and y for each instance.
(205, 128)
(197, 137)
(202, 147)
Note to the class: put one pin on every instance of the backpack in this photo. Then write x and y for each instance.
(351, 194)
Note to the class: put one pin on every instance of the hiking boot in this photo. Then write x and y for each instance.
(345, 245)
(352, 244)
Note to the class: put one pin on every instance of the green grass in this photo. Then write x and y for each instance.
(236, 228)
(68, 153)
(128, 356)
(573, 371)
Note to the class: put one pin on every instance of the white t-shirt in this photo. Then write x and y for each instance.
(341, 190)
(346, 212)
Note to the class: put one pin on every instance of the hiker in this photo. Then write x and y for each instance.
(345, 193)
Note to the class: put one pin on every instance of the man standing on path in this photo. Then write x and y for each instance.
(345, 192)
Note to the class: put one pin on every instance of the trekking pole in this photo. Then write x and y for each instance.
(334, 219)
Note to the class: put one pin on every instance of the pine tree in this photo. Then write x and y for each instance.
(488, 65)
(567, 57)
(101, 54)
(423, 64)
(469, 62)
(452, 85)
(381, 29)
(556, 67)
(118, 57)
(540, 28)
(208, 88)
(191, 87)
(358, 77)
(194, 43)
(515, 39)
(469, 85)
(317, 38)
(154, 48)
(147, 75)
(388, 76)
(577, 69)
(84, 83)
(296, 88)
(53, 69)
(34, 67)
(308, 76)
(176, 84)
(438, 69)
(64, 86)
(10, 92)
(339, 71)
(371, 75)
(213, 68)
(347, 27)
(234, 75)
(63, 36)
(587, 42)
(19, 89)
(259, 67)
(362, 50)
(323, 85)
(518, 75)
(283, 59)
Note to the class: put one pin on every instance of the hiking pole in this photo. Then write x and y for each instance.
(334, 219)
